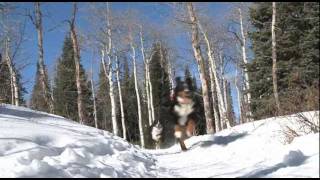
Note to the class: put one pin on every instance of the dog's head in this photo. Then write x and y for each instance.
(183, 91)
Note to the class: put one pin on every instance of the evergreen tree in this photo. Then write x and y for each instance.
(5, 90)
(187, 75)
(132, 111)
(297, 32)
(103, 102)
(38, 99)
(161, 90)
(65, 90)
(5, 84)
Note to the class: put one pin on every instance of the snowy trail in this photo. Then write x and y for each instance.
(37, 144)
(249, 150)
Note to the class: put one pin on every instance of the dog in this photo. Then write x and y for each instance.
(156, 133)
(184, 111)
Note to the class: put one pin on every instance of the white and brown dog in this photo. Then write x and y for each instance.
(184, 111)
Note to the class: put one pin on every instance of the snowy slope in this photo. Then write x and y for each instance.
(36, 144)
(249, 150)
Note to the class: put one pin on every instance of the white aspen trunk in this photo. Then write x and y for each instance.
(274, 57)
(94, 105)
(12, 89)
(104, 71)
(169, 68)
(151, 92)
(246, 75)
(147, 93)
(112, 99)
(109, 72)
(123, 123)
(13, 75)
(216, 112)
(224, 81)
(94, 99)
(76, 51)
(133, 55)
(147, 89)
(43, 74)
(201, 66)
(151, 97)
(238, 97)
(224, 88)
(212, 63)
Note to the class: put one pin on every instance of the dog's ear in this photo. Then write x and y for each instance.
(189, 83)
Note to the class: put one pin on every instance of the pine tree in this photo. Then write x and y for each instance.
(5, 84)
(38, 100)
(161, 89)
(297, 32)
(65, 90)
(5, 92)
(103, 102)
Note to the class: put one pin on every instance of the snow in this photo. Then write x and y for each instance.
(37, 144)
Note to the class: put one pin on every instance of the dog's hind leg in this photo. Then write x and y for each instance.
(190, 129)
(182, 145)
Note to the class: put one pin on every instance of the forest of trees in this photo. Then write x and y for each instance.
(271, 50)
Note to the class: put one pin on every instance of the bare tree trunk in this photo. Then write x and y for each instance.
(104, 71)
(109, 75)
(148, 93)
(94, 99)
(216, 112)
(133, 55)
(239, 95)
(224, 90)
(201, 66)
(76, 50)
(151, 91)
(246, 75)
(124, 129)
(13, 75)
(224, 82)
(212, 63)
(147, 74)
(12, 90)
(43, 74)
(274, 57)
(112, 98)
(169, 69)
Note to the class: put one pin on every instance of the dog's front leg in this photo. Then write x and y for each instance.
(178, 133)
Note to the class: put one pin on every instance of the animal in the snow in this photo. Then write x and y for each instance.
(184, 111)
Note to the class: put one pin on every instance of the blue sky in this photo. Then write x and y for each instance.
(56, 12)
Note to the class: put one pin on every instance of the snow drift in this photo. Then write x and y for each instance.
(37, 144)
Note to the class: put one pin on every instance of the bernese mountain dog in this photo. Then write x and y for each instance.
(184, 111)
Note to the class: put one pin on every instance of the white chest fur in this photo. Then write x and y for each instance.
(183, 110)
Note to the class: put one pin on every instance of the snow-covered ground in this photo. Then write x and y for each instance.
(37, 144)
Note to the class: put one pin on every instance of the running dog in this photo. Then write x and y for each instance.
(184, 111)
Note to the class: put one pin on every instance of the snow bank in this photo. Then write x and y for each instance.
(36, 144)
